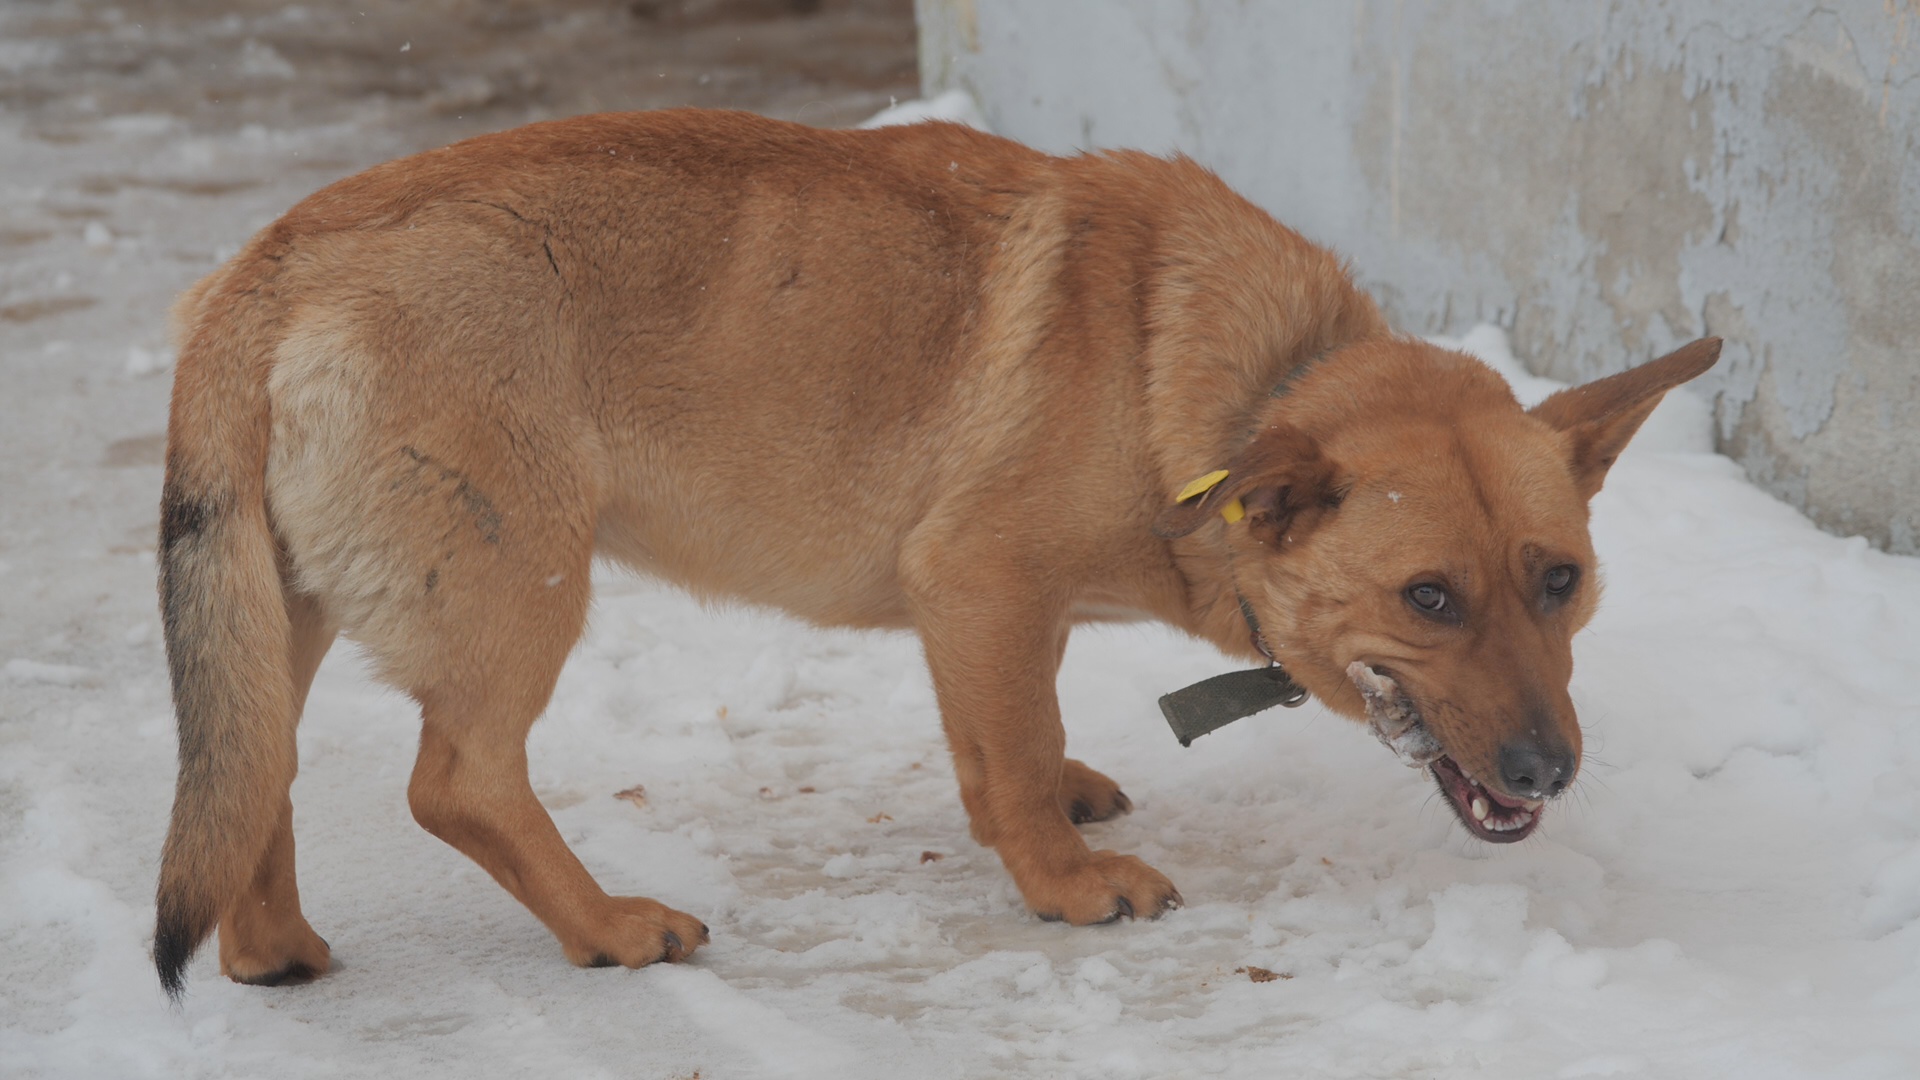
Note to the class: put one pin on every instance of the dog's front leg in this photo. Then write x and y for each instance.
(993, 643)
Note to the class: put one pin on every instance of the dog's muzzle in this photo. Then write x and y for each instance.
(1397, 723)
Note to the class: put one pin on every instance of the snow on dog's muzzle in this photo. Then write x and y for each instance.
(1394, 717)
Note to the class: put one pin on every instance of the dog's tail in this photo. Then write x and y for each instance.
(223, 609)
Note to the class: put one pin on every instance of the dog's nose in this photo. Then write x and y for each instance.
(1537, 771)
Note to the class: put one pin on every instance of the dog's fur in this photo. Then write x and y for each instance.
(915, 377)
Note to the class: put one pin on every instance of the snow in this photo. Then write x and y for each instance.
(1732, 889)
(956, 106)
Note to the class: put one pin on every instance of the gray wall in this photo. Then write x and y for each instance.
(1605, 180)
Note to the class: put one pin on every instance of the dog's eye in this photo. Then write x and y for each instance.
(1428, 597)
(1560, 580)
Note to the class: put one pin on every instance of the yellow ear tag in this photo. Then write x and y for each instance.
(1233, 511)
(1201, 486)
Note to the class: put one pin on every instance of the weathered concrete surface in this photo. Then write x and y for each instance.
(1606, 180)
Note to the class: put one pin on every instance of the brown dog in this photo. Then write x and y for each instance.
(914, 377)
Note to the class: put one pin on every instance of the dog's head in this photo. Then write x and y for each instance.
(1414, 545)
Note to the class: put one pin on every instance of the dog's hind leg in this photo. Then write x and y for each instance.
(483, 670)
(264, 938)
(470, 789)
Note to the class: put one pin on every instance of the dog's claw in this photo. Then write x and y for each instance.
(638, 932)
(1122, 910)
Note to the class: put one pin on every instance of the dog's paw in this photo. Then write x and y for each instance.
(634, 931)
(1090, 795)
(273, 956)
(1106, 888)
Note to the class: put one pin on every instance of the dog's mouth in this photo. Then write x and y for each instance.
(1487, 814)
(1396, 721)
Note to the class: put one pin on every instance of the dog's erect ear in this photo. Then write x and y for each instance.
(1280, 477)
(1601, 416)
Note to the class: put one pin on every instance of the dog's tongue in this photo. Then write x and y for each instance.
(1395, 720)
(1508, 802)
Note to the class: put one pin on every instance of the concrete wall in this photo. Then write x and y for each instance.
(1605, 179)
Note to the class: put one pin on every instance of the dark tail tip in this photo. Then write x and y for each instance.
(173, 946)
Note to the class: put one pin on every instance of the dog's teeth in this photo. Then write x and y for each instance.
(1519, 821)
(1479, 809)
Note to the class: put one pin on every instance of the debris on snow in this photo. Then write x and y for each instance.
(1260, 974)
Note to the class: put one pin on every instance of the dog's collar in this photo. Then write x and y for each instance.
(1285, 385)
(1212, 704)
(1234, 510)
(1253, 628)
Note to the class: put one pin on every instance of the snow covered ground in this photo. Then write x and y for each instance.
(1732, 890)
